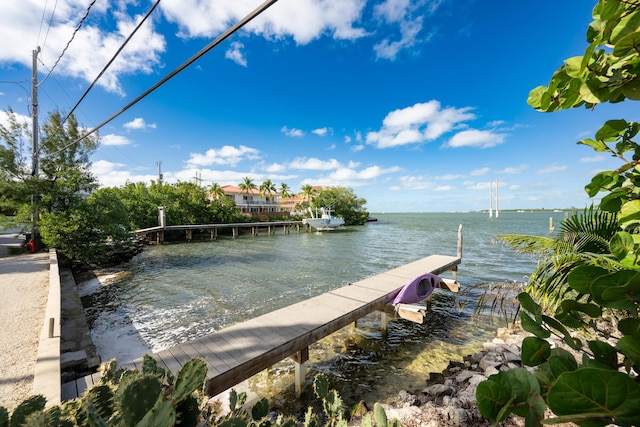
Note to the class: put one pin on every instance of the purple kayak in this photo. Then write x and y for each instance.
(417, 289)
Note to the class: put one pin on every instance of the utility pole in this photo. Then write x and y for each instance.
(159, 172)
(34, 143)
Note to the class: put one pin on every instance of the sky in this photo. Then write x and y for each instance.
(415, 105)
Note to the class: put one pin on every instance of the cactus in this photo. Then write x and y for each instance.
(236, 401)
(31, 405)
(150, 367)
(321, 386)
(333, 406)
(101, 398)
(311, 419)
(94, 418)
(380, 415)
(4, 417)
(188, 412)
(163, 414)
(260, 409)
(190, 378)
(138, 398)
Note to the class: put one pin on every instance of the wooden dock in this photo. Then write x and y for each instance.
(238, 352)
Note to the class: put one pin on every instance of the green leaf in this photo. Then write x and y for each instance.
(535, 351)
(630, 327)
(529, 304)
(260, 409)
(630, 346)
(603, 352)
(190, 378)
(627, 45)
(582, 278)
(621, 244)
(535, 97)
(561, 362)
(596, 394)
(625, 26)
(618, 290)
(613, 201)
(629, 213)
(589, 309)
(597, 145)
(600, 182)
(531, 326)
(611, 130)
(492, 398)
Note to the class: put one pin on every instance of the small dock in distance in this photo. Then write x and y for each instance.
(240, 351)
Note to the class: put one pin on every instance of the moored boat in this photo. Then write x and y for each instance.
(325, 221)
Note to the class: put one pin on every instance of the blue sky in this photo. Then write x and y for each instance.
(415, 105)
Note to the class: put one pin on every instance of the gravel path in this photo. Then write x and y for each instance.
(24, 287)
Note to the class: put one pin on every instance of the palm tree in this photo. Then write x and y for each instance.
(582, 239)
(216, 191)
(247, 186)
(308, 192)
(267, 188)
(285, 190)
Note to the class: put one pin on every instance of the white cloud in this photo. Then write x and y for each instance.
(552, 169)
(357, 148)
(418, 124)
(92, 46)
(303, 20)
(114, 140)
(594, 159)
(139, 124)
(480, 172)
(314, 164)
(20, 118)
(293, 133)
(235, 54)
(476, 138)
(322, 131)
(413, 183)
(513, 170)
(227, 155)
(448, 177)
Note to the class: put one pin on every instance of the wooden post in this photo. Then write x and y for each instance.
(454, 270)
(384, 321)
(160, 237)
(300, 358)
(189, 235)
(234, 231)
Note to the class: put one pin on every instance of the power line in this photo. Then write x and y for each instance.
(69, 42)
(248, 18)
(53, 12)
(112, 59)
(104, 69)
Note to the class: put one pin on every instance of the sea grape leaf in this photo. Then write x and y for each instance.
(617, 290)
(611, 130)
(529, 304)
(629, 213)
(531, 326)
(630, 347)
(597, 145)
(605, 353)
(581, 278)
(621, 244)
(535, 351)
(603, 395)
(492, 398)
(560, 363)
(630, 327)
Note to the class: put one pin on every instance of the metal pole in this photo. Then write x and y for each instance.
(34, 141)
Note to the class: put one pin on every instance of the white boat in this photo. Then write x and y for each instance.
(325, 221)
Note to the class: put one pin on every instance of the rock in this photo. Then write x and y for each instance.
(464, 376)
(438, 390)
(487, 361)
(406, 399)
(490, 371)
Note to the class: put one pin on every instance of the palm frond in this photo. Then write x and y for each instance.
(536, 245)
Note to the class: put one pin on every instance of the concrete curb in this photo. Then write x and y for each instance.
(47, 375)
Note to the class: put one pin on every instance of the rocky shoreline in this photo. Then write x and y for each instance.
(449, 398)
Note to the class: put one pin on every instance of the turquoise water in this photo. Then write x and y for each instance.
(175, 292)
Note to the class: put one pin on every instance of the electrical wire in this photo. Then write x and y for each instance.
(264, 6)
(84, 18)
(104, 69)
(53, 13)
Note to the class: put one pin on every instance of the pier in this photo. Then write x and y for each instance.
(240, 351)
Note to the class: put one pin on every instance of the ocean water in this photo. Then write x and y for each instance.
(175, 292)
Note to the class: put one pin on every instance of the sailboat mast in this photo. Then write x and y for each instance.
(497, 210)
(490, 199)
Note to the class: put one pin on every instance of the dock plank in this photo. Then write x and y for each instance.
(236, 353)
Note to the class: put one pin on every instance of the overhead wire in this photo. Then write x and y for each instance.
(53, 12)
(257, 11)
(84, 18)
(104, 69)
